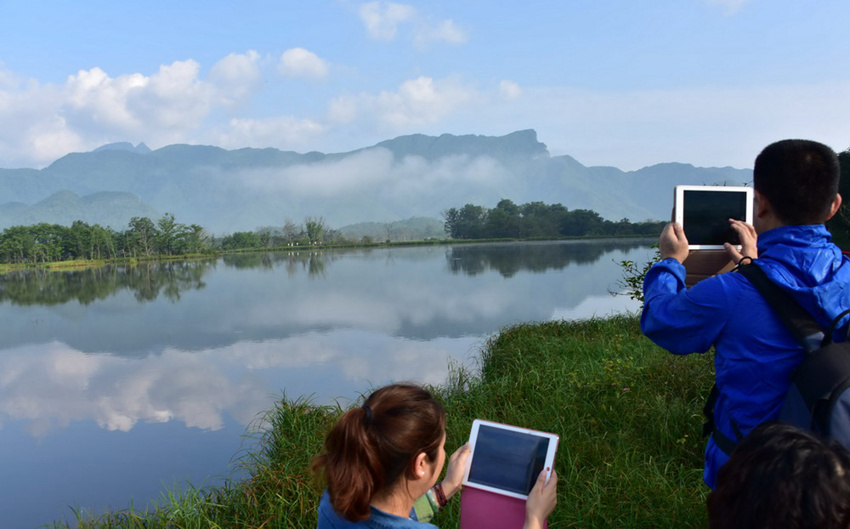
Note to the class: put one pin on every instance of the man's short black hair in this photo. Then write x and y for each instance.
(799, 178)
(781, 476)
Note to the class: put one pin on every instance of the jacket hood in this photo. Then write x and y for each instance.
(803, 261)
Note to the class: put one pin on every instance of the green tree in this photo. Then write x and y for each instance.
(169, 235)
(140, 238)
(102, 242)
(17, 244)
(241, 240)
(291, 231)
(469, 222)
(581, 222)
(195, 239)
(451, 222)
(315, 227)
(504, 221)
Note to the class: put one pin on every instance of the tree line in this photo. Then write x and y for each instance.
(145, 238)
(536, 219)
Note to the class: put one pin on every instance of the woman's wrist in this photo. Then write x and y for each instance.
(439, 493)
(448, 488)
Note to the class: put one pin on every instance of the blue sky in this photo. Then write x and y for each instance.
(609, 82)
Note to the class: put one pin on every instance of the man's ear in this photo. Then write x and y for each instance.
(762, 204)
(834, 207)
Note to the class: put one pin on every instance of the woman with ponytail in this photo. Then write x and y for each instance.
(382, 461)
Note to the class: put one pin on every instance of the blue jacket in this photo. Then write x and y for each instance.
(755, 354)
(329, 519)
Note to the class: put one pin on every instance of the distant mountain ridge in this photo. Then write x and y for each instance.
(409, 176)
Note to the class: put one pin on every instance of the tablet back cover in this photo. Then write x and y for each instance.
(482, 509)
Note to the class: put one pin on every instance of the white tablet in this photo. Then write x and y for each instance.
(507, 459)
(704, 213)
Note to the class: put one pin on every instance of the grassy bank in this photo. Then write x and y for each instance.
(627, 412)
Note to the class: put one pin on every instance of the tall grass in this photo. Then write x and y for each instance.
(627, 413)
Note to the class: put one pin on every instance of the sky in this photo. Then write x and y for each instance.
(620, 83)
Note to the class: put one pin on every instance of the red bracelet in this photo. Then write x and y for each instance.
(441, 496)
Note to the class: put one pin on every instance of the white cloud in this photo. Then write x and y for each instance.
(417, 102)
(165, 105)
(298, 62)
(237, 76)
(383, 20)
(283, 132)
(365, 168)
(102, 100)
(174, 98)
(44, 122)
(510, 89)
(730, 7)
(8, 80)
(445, 31)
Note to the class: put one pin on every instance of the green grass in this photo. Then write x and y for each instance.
(628, 415)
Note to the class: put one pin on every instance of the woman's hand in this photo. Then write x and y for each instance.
(541, 501)
(454, 471)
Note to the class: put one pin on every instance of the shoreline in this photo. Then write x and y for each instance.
(627, 413)
(83, 264)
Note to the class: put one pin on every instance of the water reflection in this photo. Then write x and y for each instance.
(116, 357)
(147, 281)
(51, 385)
(478, 258)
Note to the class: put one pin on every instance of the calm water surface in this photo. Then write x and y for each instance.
(118, 382)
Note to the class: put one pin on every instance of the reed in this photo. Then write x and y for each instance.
(627, 413)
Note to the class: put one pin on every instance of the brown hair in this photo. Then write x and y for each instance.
(372, 447)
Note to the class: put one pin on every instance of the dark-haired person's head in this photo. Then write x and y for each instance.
(780, 476)
(375, 448)
(799, 178)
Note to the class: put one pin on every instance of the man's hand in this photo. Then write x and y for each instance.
(673, 242)
(749, 239)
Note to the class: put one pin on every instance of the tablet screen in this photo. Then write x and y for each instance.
(508, 460)
(704, 212)
(707, 214)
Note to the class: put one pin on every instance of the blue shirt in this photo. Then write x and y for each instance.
(378, 519)
(755, 354)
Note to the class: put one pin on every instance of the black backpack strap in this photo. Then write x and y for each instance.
(709, 427)
(798, 320)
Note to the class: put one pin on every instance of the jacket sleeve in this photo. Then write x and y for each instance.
(678, 319)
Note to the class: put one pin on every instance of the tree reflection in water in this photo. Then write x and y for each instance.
(147, 281)
(311, 261)
(474, 259)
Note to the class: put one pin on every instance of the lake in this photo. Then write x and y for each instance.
(119, 382)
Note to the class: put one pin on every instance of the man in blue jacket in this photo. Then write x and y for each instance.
(796, 192)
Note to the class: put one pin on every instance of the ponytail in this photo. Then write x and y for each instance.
(371, 448)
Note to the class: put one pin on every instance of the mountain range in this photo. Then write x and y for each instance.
(409, 176)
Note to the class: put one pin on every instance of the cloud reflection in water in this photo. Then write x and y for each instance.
(49, 385)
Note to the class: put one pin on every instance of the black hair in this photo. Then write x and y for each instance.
(781, 476)
(799, 178)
